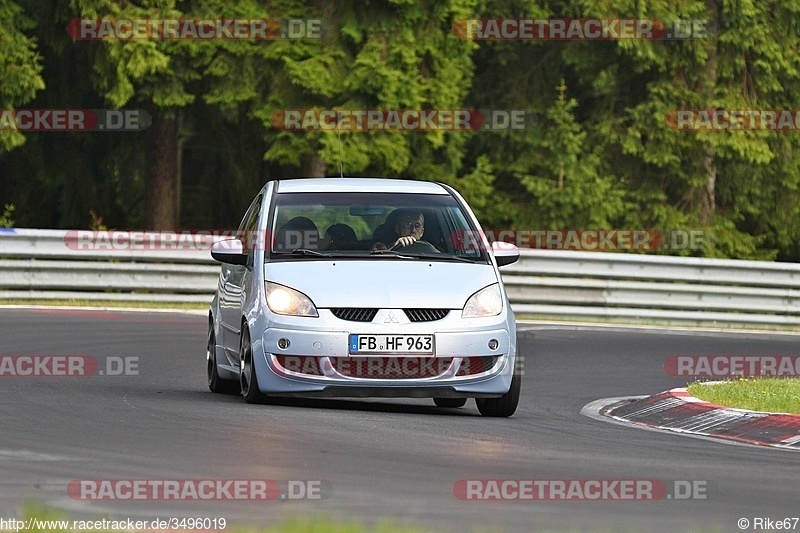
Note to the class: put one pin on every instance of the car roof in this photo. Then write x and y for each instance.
(335, 184)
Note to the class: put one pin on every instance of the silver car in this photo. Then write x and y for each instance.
(363, 287)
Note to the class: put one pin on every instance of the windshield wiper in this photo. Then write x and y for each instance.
(393, 253)
(304, 251)
(444, 257)
(316, 253)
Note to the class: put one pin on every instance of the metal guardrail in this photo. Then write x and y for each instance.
(641, 288)
(127, 266)
(54, 264)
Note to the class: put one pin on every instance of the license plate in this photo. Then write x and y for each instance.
(391, 344)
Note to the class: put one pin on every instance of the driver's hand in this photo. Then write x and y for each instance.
(404, 241)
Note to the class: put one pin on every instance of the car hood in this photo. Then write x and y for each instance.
(380, 283)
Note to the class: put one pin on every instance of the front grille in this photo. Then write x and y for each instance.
(355, 314)
(476, 365)
(425, 315)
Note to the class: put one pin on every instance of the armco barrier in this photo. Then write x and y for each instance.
(51, 264)
(648, 288)
(544, 284)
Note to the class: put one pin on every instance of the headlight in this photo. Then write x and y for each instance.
(285, 301)
(486, 302)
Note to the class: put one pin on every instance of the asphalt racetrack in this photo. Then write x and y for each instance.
(390, 459)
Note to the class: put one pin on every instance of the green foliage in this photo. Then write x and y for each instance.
(403, 55)
(569, 188)
(21, 67)
(147, 71)
(7, 218)
(97, 222)
(601, 156)
(477, 188)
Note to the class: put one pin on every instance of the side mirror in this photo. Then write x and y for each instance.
(505, 253)
(229, 251)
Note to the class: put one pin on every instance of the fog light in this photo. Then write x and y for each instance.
(493, 344)
(283, 343)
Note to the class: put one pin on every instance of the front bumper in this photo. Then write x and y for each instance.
(454, 349)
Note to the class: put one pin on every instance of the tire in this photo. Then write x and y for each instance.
(247, 375)
(450, 402)
(506, 404)
(216, 383)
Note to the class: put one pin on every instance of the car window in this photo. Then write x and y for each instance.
(358, 224)
(247, 229)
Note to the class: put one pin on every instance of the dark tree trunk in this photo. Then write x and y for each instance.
(312, 166)
(164, 156)
(709, 195)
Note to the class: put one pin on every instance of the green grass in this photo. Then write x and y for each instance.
(106, 303)
(772, 395)
(305, 525)
(294, 525)
(311, 525)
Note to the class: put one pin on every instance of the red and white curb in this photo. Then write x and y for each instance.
(678, 411)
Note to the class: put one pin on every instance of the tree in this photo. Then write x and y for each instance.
(705, 178)
(21, 67)
(570, 187)
(155, 75)
(392, 55)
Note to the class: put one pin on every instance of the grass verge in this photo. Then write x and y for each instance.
(52, 517)
(771, 395)
(44, 519)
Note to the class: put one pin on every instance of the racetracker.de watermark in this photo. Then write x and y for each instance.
(110, 240)
(587, 240)
(128, 525)
(579, 489)
(395, 366)
(726, 366)
(67, 366)
(733, 119)
(198, 489)
(402, 119)
(584, 29)
(461, 241)
(75, 119)
(127, 29)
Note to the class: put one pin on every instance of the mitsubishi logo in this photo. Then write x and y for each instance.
(391, 319)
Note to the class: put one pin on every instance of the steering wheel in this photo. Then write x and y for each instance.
(419, 247)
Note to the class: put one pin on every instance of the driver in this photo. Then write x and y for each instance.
(410, 227)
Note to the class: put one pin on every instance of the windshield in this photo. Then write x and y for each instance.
(372, 225)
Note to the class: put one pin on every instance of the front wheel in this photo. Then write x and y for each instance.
(504, 405)
(248, 377)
